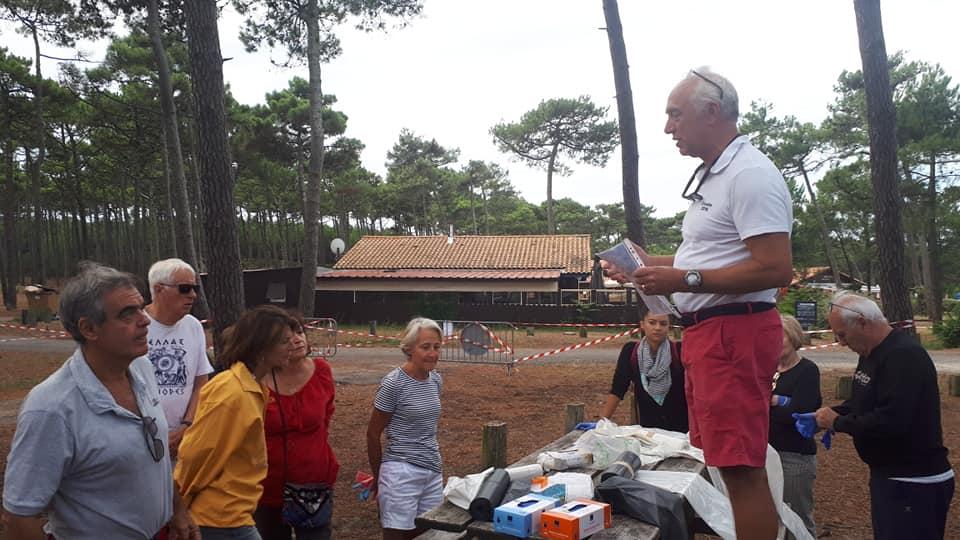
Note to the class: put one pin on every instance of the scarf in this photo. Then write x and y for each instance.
(655, 370)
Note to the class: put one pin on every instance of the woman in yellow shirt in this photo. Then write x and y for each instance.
(223, 456)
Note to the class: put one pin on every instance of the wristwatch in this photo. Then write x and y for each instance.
(693, 279)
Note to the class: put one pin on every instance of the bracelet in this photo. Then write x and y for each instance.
(187, 423)
(783, 401)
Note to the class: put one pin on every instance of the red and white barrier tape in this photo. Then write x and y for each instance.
(60, 333)
(575, 325)
(573, 347)
(815, 347)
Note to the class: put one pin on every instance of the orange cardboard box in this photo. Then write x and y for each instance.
(575, 520)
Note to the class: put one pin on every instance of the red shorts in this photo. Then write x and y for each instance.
(730, 361)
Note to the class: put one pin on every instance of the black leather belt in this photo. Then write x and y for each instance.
(744, 308)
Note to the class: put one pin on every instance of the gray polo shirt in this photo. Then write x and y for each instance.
(84, 460)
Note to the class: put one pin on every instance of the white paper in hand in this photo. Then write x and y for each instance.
(626, 258)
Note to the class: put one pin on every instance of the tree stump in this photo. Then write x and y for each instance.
(844, 387)
(494, 447)
(573, 416)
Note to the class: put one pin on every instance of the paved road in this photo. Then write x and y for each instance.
(376, 360)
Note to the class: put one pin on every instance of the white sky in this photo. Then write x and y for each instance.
(465, 65)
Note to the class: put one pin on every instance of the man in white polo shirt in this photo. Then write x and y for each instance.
(734, 255)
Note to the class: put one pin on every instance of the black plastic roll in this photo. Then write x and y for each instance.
(490, 495)
(626, 465)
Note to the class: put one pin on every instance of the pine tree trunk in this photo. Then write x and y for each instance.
(311, 210)
(935, 286)
(11, 247)
(183, 224)
(225, 278)
(551, 227)
(881, 121)
(38, 271)
(629, 154)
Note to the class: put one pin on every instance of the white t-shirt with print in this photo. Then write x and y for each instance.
(743, 196)
(178, 354)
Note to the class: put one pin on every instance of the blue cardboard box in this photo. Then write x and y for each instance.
(521, 516)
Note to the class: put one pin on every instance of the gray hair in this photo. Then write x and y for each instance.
(82, 296)
(410, 334)
(711, 87)
(853, 305)
(163, 271)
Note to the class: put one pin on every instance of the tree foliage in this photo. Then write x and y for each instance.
(573, 128)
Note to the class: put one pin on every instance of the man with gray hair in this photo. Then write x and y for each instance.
(89, 449)
(734, 256)
(178, 345)
(894, 418)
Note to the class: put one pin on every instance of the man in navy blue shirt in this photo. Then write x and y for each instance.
(894, 418)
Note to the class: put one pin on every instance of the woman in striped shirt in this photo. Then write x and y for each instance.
(407, 473)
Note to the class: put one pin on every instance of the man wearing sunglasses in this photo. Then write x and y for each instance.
(734, 256)
(894, 419)
(178, 345)
(89, 449)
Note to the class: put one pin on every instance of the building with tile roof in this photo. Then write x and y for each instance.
(396, 276)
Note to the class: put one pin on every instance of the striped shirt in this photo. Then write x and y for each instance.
(415, 409)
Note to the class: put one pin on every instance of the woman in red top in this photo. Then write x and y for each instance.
(297, 425)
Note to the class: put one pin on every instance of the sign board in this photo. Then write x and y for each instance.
(807, 314)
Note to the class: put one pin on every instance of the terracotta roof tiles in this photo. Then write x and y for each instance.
(567, 253)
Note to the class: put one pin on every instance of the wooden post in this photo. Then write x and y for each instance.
(494, 446)
(634, 417)
(844, 387)
(573, 416)
(953, 383)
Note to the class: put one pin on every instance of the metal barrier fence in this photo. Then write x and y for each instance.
(323, 334)
(478, 342)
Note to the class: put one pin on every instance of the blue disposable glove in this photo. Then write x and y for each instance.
(827, 439)
(585, 426)
(806, 423)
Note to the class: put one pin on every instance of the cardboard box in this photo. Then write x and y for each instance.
(521, 517)
(575, 520)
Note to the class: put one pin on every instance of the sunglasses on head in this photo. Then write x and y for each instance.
(834, 305)
(183, 288)
(709, 81)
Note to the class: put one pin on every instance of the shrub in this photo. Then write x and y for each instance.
(948, 330)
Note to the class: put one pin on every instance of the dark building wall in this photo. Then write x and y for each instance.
(400, 307)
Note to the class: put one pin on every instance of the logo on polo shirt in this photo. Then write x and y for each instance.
(862, 378)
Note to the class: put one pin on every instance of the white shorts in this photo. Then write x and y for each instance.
(404, 492)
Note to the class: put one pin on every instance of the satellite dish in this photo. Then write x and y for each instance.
(337, 246)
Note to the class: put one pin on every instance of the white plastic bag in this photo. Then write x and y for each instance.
(460, 491)
(608, 440)
(578, 485)
(561, 461)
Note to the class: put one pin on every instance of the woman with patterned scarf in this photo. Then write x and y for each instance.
(653, 366)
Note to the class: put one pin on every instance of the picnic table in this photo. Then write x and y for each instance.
(450, 522)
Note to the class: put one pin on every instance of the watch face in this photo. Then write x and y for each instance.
(692, 278)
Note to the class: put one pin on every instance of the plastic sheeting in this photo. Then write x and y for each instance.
(713, 506)
(608, 440)
(460, 491)
(648, 503)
